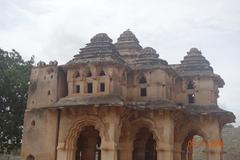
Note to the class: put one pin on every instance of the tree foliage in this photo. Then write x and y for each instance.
(14, 77)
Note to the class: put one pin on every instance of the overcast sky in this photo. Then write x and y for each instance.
(56, 29)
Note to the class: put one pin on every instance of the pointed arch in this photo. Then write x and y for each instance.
(190, 84)
(144, 123)
(102, 73)
(88, 73)
(142, 79)
(76, 74)
(189, 144)
(144, 145)
(73, 133)
(124, 76)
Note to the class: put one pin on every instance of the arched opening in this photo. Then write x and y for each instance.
(76, 74)
(142, 79)
(143, 88)
(190, 85)
(50, 70)
(30, 157)
(88, 144)
(194, 147)
(88, 73)
(144, 145)
(102, 73)
(199, 148)
(191, 98)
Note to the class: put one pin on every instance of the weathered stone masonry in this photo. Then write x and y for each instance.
(122, 102)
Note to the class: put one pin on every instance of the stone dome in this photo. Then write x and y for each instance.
(127, 36)
(128, 40)
(194, 51)
(128, 46)
(101, 37)
(148, 59)
(195, 64)
(100, 49)
(148, 52)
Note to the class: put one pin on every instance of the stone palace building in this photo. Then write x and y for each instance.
(122, 102)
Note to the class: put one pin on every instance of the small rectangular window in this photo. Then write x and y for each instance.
(89, 88)
(102, 87)
(191, 98)
(143, 92)
(77, 88)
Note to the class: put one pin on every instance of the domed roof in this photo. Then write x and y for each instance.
(127, 36)
(101, 37)
(148, 58)
(98, 50)
(194, 51)
(148, 52)
(195, 64)
(128, 40)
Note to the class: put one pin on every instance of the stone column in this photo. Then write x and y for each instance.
(164, 152)
(108, 151)
(125, 152)
(109, 141)
(165, 133)
(190, 153)
(177, 152)
(214, 142)
(214, 152)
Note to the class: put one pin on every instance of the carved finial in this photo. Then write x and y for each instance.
(128, 36)
(53, 63)
(148, 52)
(194, 51)
(41, 64)
(101, 37)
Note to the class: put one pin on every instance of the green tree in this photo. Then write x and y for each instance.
(14, 77)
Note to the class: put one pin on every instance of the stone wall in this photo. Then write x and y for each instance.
(9, 157)
(231, 143)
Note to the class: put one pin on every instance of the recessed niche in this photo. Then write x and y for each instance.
(102, 73)
(143, 92)
(33, 123)
(49, 92)
(50, 70)
(51, 76)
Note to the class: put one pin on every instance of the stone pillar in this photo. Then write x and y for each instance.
(109, 141)
(164, 152)
(190, 153)
(125, 152)
(108, 151)
(165, 134)
(214, 152)
(177, 152)
(214, 142)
